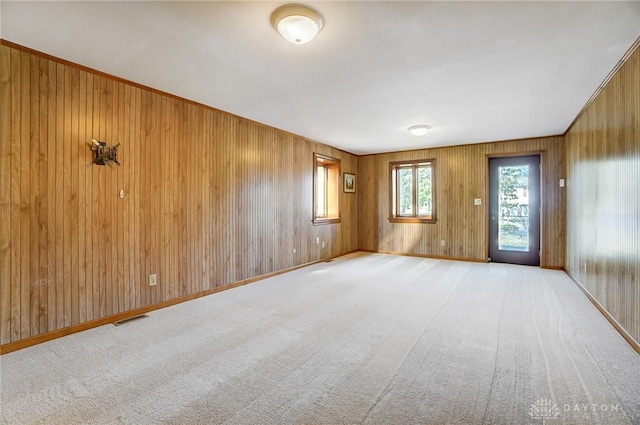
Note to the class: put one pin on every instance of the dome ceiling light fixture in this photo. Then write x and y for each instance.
(297, 23)
(419, 129)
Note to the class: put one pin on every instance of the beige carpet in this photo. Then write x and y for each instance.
(365, 339)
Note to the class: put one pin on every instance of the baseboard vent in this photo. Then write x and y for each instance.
(130, 319)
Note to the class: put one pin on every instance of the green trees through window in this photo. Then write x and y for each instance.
(412, 196)
(513, 207)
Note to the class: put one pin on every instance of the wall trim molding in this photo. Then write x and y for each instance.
(38, 339)
(634, 344)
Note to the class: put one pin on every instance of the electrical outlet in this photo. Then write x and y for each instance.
(323, 244)
(293, 250)
(153, 279)
(477, 201)
(442, 242)
(318, 241)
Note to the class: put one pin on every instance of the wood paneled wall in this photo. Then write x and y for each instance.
(461, 176)
(210, 198)
(603, 215)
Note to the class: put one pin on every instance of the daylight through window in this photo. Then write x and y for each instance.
(412, 191)
(326, 189)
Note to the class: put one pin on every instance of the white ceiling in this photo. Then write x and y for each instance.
(474, 71)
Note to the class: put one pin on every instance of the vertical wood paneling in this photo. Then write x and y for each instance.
(34, 247)
(51, 195)
(15, 195)
(98, 218)
(136, 194)
(85, 159)
(110, 281)
(207, 269)
(123, 184)
(112, 193)
(66, 220)
(146, 196)
(74, 205)
(461, 176)
(14, 182)
(43, 202)
(81, 168)
(5, 196)
(603, 225)
(24, 198)
(210, 199)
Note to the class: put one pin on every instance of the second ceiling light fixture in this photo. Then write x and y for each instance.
(297, 23)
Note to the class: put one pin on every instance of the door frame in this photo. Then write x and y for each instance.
(543, 217)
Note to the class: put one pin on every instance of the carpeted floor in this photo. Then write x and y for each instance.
(365, 339)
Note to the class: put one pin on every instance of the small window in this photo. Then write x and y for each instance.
(326, 189)
(412, 191)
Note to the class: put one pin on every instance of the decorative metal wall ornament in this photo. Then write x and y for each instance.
(104, 153)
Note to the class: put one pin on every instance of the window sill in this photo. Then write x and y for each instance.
(321, 221)
(412, 220)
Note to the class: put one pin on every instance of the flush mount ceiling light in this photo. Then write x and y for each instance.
(420, 129)
(297, 23)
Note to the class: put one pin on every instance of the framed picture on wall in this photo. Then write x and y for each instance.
(349, 183)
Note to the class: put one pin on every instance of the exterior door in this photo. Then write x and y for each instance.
(514, 210)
